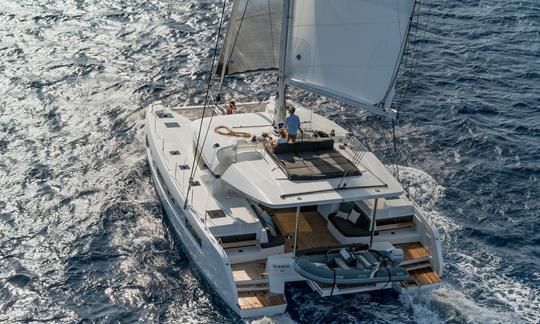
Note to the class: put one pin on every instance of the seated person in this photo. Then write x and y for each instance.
(231, 107)
(282, 138)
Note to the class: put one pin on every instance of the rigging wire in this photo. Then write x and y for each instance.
(226, 64)
(197, 158)
(410, 64)
(242, 93)
(210, 79)
(357, 158)
(392, 157)
(396, 155)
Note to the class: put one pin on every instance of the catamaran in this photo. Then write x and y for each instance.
(324, 210)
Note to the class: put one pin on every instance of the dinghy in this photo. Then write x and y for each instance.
(353, 266)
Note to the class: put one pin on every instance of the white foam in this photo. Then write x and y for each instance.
(277, 319)
(484, 279)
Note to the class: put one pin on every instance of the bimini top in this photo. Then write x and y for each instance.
(312, 160)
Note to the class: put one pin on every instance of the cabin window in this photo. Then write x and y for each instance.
(146, 141)
(160, 177)
(193, 233)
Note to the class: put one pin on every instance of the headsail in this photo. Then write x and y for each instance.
(253, 37)
(348, 49)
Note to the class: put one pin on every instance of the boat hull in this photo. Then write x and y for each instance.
(203, 255)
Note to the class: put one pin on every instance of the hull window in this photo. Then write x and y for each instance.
(193, 233)
(162, 181)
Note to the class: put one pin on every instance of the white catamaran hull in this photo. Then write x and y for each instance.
(210, 262)
(220, 262)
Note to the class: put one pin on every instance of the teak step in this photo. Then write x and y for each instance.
(249, 273)
(423, 277)
(248, 300)
(395, 226)
(416, 265)
(413, 250)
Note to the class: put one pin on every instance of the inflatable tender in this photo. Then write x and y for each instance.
(354, 265)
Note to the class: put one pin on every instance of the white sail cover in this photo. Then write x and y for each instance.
(347, 49)
(253, 37)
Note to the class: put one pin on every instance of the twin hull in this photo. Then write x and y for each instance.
(204, 250)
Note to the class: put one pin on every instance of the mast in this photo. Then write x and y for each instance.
(281, 98)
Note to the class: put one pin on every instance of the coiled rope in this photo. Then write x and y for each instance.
(230, 132)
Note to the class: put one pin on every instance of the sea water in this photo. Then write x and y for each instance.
(82, 236)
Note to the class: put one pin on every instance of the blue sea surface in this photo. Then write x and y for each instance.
(82, 236)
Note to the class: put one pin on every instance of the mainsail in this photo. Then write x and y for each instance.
(349, 50)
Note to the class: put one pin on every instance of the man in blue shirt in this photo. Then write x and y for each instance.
(292, 125)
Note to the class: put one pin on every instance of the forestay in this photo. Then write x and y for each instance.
(348, 49)
(253, 37)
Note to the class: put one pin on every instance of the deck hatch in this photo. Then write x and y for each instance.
(162, 114)
(213, 214)
(183, 167)
(174, 152)
(172, 125)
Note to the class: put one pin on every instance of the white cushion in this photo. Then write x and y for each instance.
(353, 216)
(342, 214)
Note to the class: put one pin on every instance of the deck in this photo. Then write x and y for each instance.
(247, 300)
(312, 230)
(249, 272)
(414, 250)
(423, 277)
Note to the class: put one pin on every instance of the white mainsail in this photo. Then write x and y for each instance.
(349, 50)
(253, 37)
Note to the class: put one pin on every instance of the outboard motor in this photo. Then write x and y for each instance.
(396, 256)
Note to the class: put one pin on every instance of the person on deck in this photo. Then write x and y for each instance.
(282, 138)
(292, 125)
(231, 107)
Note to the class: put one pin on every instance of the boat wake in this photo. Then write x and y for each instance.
(483, 296)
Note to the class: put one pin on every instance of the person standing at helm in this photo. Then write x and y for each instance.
(292, 125)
